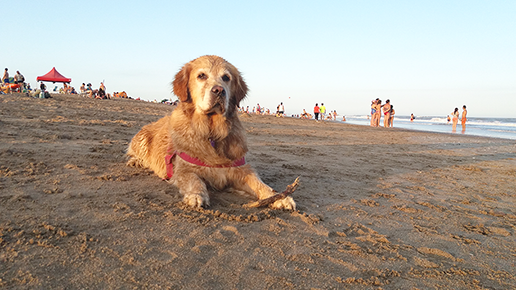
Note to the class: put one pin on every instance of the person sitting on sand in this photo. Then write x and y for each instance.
(82, 88)
(101, 94)
(304, 115)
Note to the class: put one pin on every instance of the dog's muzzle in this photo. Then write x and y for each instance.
(219, 98)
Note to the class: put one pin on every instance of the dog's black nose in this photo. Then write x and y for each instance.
(218, 91)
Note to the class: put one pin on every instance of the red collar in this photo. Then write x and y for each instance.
(195, 161)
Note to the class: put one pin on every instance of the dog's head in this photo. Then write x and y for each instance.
(211, 84)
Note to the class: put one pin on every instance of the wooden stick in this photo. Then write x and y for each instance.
(265, 202)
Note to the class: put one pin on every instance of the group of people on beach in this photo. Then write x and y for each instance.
(320, 111)
(12, 84)
(258, 110)
(17, 84)
(455, 119)
(376, 113)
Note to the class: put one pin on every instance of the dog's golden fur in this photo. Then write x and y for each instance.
(204, 125)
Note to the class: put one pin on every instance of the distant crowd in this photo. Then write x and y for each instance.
(17, 84)
(320, 112)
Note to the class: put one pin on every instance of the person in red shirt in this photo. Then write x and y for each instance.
(316, 111)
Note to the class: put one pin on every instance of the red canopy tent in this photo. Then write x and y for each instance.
(54, 76)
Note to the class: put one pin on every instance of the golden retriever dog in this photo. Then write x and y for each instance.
(202, 145)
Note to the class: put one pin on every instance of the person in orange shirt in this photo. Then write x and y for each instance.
(316, 111)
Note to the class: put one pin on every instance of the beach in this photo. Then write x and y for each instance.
(376, 208)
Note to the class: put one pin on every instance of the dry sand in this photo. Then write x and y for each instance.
(377, 208)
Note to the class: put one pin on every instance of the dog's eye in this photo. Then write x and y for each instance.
(202, 76)
(225, 78)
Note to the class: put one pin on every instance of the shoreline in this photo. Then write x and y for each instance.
(391, 209)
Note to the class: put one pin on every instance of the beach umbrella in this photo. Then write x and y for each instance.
(53, 76)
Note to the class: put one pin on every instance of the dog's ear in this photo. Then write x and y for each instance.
(180, 83)
(240, 87)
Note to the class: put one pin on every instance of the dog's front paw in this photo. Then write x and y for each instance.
(196, 200)
(134, 162)
(286, 203)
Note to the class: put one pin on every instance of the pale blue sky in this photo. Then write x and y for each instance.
(427, 57)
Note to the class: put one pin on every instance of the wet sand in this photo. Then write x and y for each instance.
(377, 208)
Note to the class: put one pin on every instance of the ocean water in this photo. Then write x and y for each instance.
(487, 127)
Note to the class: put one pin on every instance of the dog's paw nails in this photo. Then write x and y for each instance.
(286, 203)
(196, 200)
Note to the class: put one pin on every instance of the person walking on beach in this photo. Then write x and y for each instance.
(316, 111)
(412, 117)
(5, 78)
(322, 110)
(386, 113)
(463, 119)
(281, 110)
(455, 119)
